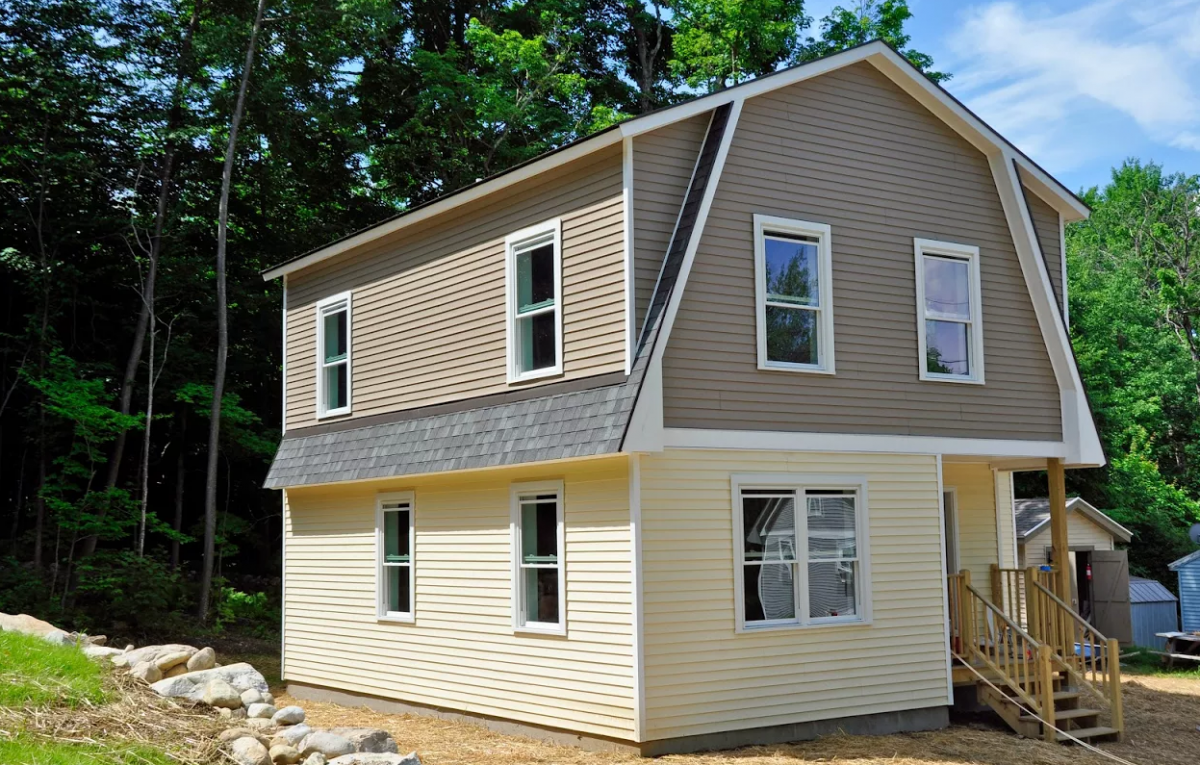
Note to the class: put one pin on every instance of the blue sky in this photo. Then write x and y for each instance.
(1077, 85)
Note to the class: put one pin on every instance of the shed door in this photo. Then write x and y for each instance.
(1110, 593)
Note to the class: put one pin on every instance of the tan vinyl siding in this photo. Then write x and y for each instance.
(428, 322)
(975, 496)
(851, 150)
(1045, 224)
(702, 677)
(662, 168)
(1080, 533)
(461, 652)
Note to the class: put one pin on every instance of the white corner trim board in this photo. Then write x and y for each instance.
(639, 610)
(630, 273)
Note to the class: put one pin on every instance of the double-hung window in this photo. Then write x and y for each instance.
(793, 288)
(539, 581)
(333, 355)
(394, 542)
(949, 322)
(534, 278)
(801, 551)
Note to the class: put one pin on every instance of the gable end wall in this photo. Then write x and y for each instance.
(852, 150)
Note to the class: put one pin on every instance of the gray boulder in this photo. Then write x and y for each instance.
(167, 661)
(233, 734)
(218, 693)
(316, 758)
(329, 744)
(152, 653)
(191, 685)
(205, 658)
(58, 637)
(288, 716)
(249, 751)
(282, 754)
(368, 739)
(267, 698)
(101, 651)
(27, 625)
(265, 711)
(292, 735)
(146, 672)
(253, 696)
(259, 723)
(376, 758)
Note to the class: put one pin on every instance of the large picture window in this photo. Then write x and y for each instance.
(394, 540)
(534, 276)
(949, 320)
(539, 582)
(800, 551)
(794, 294)
(333, 355)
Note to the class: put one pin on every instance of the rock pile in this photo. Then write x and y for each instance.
(260, 734)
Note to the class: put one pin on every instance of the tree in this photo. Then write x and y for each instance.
(214, 431)
(722, 42)
(871, 20)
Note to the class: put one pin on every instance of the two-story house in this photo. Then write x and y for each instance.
(690, 434)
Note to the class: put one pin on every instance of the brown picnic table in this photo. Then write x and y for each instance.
(1180, 645)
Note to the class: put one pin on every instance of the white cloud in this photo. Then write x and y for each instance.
(1035, 75)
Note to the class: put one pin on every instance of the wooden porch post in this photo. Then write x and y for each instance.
(1058, 529)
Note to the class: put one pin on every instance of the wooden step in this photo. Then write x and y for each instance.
(1088, 734)
(1068, 714)
(1064, 695)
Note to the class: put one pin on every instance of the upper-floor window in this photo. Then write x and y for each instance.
(949, 323)
(394, 538)
(800, 550)
(792, 266)
(539, 580)
(333, 355)
(534, 276)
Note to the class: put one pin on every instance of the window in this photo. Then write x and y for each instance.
(539, 585)
(534, 276)
(949, 323)
(333, 355)
(394, 542)
(801, 551)
(792, 266)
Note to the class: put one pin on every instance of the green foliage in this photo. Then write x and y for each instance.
(120, 586)
(39, 751)
(872, 20)
(22, 589)
(38, 674)
(248, 613)
(722, 42)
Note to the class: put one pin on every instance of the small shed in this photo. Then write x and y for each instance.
(1187, 569)
(1153, 610)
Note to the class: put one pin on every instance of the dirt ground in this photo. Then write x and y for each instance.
(1162, 714)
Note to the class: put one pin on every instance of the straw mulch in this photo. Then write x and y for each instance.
(1161, 713)
(134, 715)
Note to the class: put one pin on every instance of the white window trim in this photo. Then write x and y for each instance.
(764, 224)
(515, 375)
(381, 612)
(801, 482)
(329, 305)
(519, 624)
(921, 248)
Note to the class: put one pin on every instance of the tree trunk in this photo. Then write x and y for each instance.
(180, 475)
(174, 122)
(214, 429)
(150, 379)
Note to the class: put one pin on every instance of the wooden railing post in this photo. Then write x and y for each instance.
(967, 623)
(997, 586)
(1046, 690)
(1033, 612)
(1114, 688)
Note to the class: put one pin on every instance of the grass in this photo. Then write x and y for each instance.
(38, 674)
(1143, 662)
(29, 750)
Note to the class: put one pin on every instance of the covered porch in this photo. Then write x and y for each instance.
(1013, 634)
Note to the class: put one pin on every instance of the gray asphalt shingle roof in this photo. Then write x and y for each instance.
(563, 425)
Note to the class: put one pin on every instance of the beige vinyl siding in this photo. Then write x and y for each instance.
(461, 652)
(1006, 522)
(851, 150)
(1080, 533)
(428, 323)
(702, 677)
(1045, 224)
(663, 161)
(975, 496)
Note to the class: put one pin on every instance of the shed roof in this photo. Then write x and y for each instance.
(1148, 591)
(1033, 515)
(1186, 560)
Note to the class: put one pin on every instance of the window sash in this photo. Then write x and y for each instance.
(523, 350)
(803, 558)
(971, 337)
(799, 344)
(402, 562)
(327, 365)
(527, 568)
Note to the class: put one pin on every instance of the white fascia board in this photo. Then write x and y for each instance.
(569, 154)
(1079, 430)
(861, 443)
